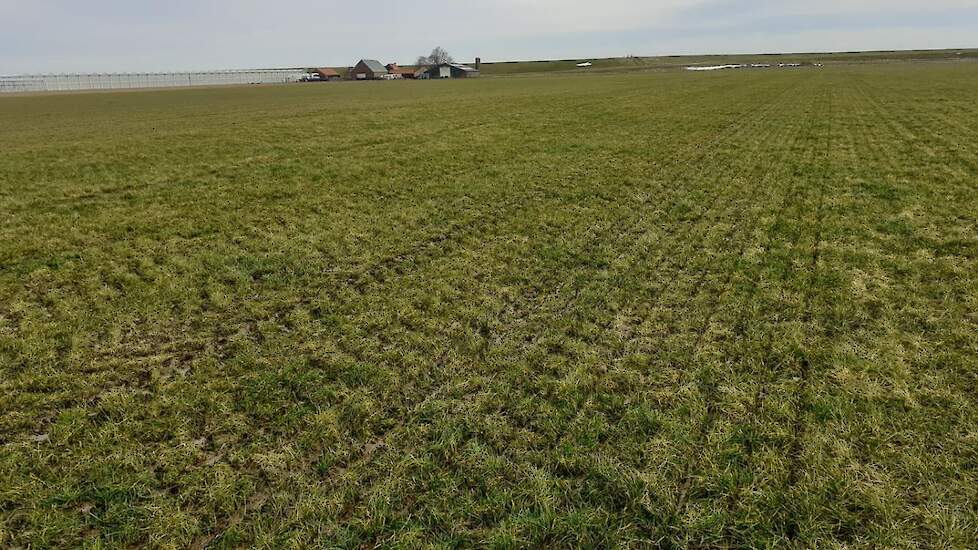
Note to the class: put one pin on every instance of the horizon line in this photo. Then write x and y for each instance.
(498, 62)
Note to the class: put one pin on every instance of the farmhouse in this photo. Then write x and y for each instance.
(368, 69)
(448, 70)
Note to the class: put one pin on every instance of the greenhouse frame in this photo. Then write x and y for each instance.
(121, 81)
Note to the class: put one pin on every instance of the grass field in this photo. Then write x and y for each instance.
(673, 309)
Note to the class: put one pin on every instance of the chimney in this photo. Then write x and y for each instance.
(478, 63)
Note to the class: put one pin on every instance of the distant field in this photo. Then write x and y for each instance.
(638, 63)
(621, 310)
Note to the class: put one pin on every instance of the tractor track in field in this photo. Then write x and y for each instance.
(707, 386)
(710, 389)
(767, 371)
(804, 368)
(769, 375)
(803, 399)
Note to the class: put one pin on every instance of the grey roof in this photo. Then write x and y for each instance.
(463, 67)
(459, 66)
(374, 65)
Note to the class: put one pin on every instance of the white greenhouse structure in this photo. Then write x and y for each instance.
(120, 81)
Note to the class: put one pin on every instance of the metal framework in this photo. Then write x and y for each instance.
(119, 81)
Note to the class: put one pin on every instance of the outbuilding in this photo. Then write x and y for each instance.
(368, 69)
(449, 70)
(328, 74)
(400, 72)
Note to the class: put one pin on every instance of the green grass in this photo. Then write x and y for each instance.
(673, 309)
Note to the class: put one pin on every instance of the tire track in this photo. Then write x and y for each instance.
(707, 385)
(805, 370)
(766, 371)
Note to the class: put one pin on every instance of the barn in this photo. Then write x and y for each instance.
(448, 70)
(368, 69)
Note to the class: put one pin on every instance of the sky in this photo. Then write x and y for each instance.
(41, 36)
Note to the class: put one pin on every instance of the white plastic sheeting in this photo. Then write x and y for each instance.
(715, 67)
(742, 66)
(120, 81)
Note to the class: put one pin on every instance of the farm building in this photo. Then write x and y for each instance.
(448, 70)
(328, 74)
(368, 69)
(400, 72)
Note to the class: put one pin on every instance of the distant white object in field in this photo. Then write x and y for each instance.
(585, 64)
(715, 67)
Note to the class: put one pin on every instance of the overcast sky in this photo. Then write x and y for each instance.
(157, 35)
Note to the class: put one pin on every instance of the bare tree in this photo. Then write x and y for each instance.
(438, 56)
